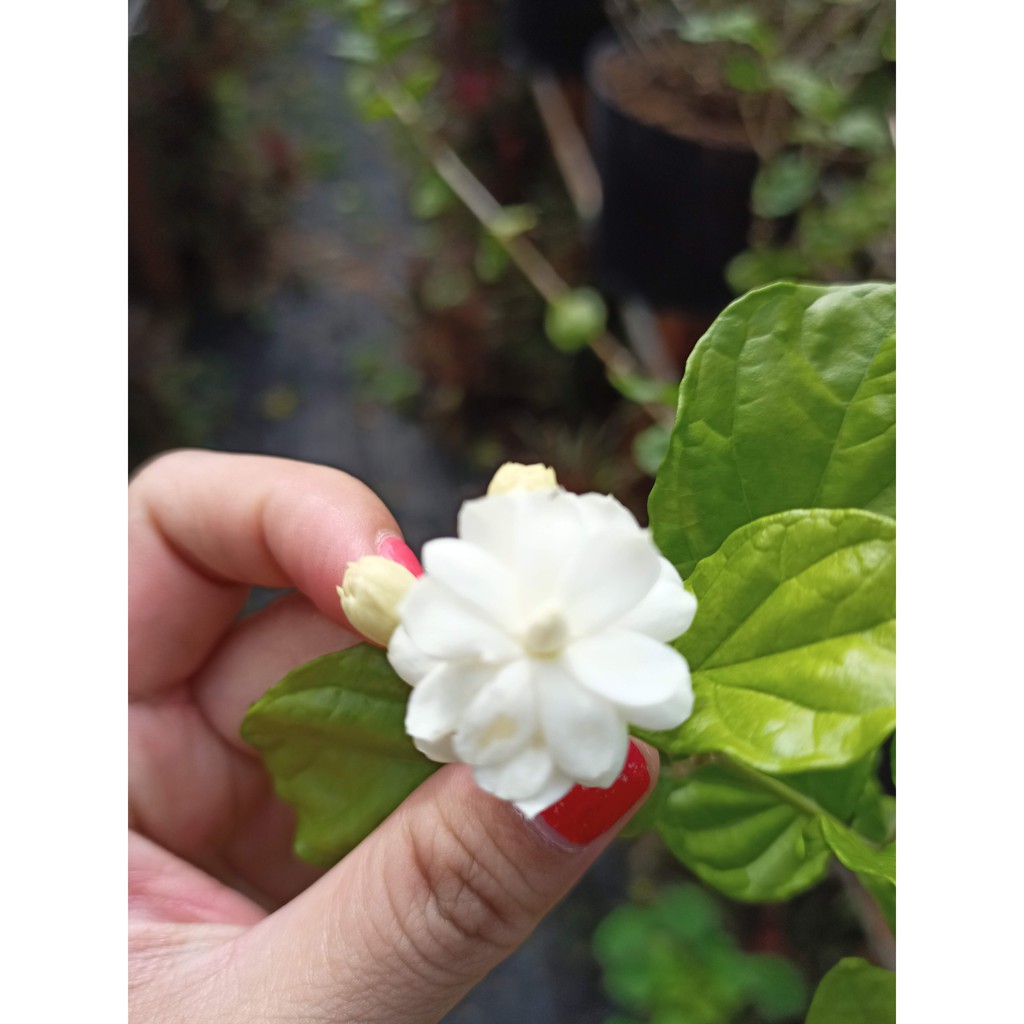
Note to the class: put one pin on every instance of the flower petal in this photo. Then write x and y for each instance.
(548, 539)
(437, 702)
(437, 750)
(607, 579)
(407, 659)
(667, 610)
(630, 669)
(521, 777)
(500, 720)
(474, 575)
(557, 786)
(444, 626)
(599, 512)
(669, 714)
(587, 738)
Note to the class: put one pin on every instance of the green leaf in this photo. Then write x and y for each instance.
(784, 185)
(787, 402)
(644, 389)
(792, 649)
(511, 221)
(754, 268)
(490, 260)
(862, 129)
(430, 197)
(854, 992)
(575, 319)
(356, 46)
(754, 836)
(332, 735)
(649, 448)
(857, 853)
(738, 25)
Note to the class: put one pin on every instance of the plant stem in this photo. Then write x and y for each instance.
(617, 359)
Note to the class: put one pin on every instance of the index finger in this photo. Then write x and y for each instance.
(204, 527)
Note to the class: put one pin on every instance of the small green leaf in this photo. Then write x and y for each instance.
(490, 260)
(746, 75)
(861, 129)
(755, 268)
(792, 649)
(737, 25)
(649, 448)
(857, 853)
(430, 197)
(644, 389)
(788, 401)
(332, 736)
(359, 47)
(754, 836)
(511, 221)
(784, 185)
(854, 992)
(809, 92)
(575, 319)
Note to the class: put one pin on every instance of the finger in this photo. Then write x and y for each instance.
(429, 903)
(205, 526)
(196, 787)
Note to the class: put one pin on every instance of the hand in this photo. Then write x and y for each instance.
(226, 924)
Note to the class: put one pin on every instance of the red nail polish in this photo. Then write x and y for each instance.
(587, 812)
(398, 551)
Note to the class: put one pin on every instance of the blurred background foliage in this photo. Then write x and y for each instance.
(312, 275)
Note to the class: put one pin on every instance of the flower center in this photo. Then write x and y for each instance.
(546, 634)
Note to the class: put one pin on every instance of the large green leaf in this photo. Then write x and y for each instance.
(854, 992)
(332, 735)
(792, 648)
(753, 836)
(787, 402)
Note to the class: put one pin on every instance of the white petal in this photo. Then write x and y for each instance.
(668, 714)
(548, 541)
(600, 512)
(557, 786)
(667, 610)
(490, 524)
(437, 750)
(629, 668)
(474, 575)
(521, 777)
(587, 738)
(607, 579)
(407, 659)
(444, 626)
(500, 720)
(439, 700)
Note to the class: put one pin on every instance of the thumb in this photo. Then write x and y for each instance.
(436, 897)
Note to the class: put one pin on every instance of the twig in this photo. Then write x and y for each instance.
(881, 941)
(617, 359)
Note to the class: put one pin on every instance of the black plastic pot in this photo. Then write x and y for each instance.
(553, 35)
(674, 213)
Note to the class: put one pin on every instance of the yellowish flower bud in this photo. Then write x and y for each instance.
(514, 476)
(370, 593)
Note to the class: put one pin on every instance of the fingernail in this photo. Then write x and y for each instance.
(398, 551)
(587, 812)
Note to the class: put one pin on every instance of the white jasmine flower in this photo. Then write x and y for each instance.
(534, 639)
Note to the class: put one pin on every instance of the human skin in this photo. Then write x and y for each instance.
(225, 922)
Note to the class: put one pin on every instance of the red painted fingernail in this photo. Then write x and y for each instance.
(587, 812)
(398, 551)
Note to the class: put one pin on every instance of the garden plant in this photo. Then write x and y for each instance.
(775, 504)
